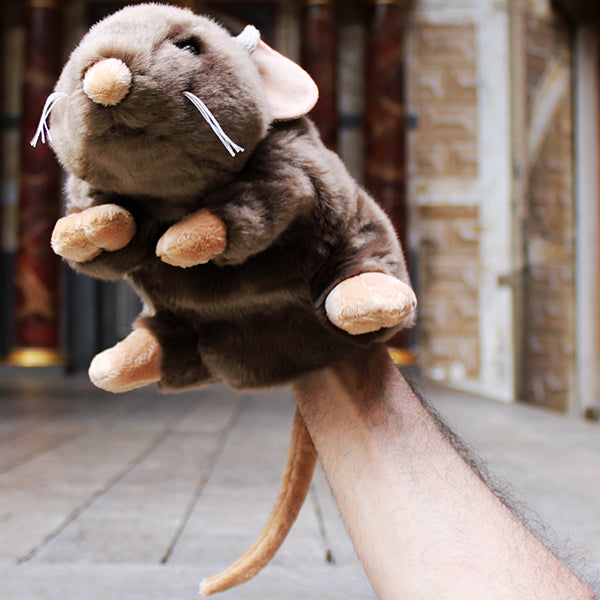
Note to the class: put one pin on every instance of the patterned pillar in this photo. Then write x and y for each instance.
(2, 112)
(385, 119)
(191, 4)
(598, 200)
(319, 57)
(37, 268)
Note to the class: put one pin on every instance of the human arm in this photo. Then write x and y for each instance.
(422, 521)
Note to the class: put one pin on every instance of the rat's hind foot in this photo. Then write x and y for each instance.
(369, 302)
(132, 363)
(82, 236)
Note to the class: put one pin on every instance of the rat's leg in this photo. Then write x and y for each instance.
(82, 236)
(194, 240)
(132, 363)
(369, 302)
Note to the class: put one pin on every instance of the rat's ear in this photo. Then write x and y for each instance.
(290, 90)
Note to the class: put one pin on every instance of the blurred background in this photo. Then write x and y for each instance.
(475, 123)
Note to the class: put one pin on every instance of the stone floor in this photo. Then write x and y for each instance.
(140, 496)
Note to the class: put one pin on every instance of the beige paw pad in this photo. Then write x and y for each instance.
(70, 241)
(194, 240)
(108, 226)
(82, 236)
(369, 302)
(132, 363)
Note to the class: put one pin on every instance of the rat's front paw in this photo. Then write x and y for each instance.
(369, 302)
(82, 236)
(194, 240)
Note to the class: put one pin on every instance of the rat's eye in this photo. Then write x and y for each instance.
(191, 45)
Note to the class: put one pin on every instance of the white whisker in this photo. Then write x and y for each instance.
(229, 144)
(42, 128)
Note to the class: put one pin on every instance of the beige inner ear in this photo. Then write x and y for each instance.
(290, 90)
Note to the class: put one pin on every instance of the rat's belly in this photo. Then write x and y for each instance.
(248, 331)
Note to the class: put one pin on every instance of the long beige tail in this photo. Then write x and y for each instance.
(295, 483)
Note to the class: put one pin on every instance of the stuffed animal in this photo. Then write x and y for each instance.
(194, 174)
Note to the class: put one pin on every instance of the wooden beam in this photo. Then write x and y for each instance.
(579, 10)
(385, 111)
(318, 55)
(587, 193)
(385, 123)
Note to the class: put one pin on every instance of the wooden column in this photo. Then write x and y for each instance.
(385, 120)
(191, 4)
(319, 57)
(597, 298)
(3, 29)
(37, 338)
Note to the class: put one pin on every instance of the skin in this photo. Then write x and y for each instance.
(423, 523)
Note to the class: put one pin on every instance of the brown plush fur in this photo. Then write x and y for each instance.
(297, 224)
(255, 269)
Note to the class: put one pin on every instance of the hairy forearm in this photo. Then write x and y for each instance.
(423, 523)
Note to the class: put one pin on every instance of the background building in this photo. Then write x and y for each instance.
(474, 122)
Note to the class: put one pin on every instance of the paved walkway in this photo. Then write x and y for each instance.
(139, 496)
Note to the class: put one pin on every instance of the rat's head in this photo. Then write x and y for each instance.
(158, 101)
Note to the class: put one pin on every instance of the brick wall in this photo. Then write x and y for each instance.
(443, 150)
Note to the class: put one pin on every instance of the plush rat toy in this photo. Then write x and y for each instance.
(193, 173)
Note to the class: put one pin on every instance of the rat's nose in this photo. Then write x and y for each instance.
(107, 82)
